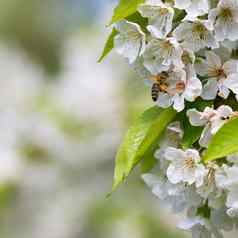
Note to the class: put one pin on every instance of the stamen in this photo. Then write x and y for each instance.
(226, 14)
(189, 163)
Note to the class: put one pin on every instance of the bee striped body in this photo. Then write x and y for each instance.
(159, 85)
(155, 91)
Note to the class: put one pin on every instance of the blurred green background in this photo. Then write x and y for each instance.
(62, 117)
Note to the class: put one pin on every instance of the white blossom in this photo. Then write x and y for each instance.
(195, 35)
(212, 119)
(160, 18)
(178, 196)
(222, 77)
(185, 166)
(225, 20)
(200, 227)
(229, 181)
(130, 42)
(161, 54)
(195, 56)
(178, 86)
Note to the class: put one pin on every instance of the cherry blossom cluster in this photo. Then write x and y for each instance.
(189, 49)
(206, 193)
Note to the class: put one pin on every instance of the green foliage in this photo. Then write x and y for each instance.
(139, 140)
(124, 9)
(109, 45)
(191, 134)
(224, 142)
(149, 160)
(137, 18)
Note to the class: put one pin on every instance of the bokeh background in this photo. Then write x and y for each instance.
(62, 117)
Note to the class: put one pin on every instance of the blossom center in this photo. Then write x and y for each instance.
(199, 31)
(163, 11)
(180, 86)
(134, 35)
(189, 163)
(217, 72)
(226, 14)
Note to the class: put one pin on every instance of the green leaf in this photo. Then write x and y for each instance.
(149, 160)
(109, 45)
(140, 20)
(224, 142)
(139, 139)
(124, 9)
(191, 134)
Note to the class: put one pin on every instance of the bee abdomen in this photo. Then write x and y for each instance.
(155, 91)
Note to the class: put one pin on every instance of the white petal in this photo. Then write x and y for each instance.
(210, 90)
(164, 100)
(182, 4)
(213, 60)
(195, 118)
(178, 103)
(231, 67)
(200, 174)
(201, 67)
(174, 174)
(130, 42)
(193, 89)
(224, 111)
(150, 180)
(223, 91)
(233, 33)
(232, 83)
(206, 136)
(172, 153)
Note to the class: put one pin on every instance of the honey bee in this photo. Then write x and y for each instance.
(159, 85)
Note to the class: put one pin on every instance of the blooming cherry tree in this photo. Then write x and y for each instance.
(188, 51)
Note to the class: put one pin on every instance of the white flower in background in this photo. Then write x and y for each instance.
(212, 119)
(130, 42)
(194, 8)
(195, 35)
(170, 193)
(158, 185)
(228, 180)
(160, 54)
(225, 20)
(178, 196)
(222, 77)
(160, 18)
(185, 166)
(200, 227)
(221, 220)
